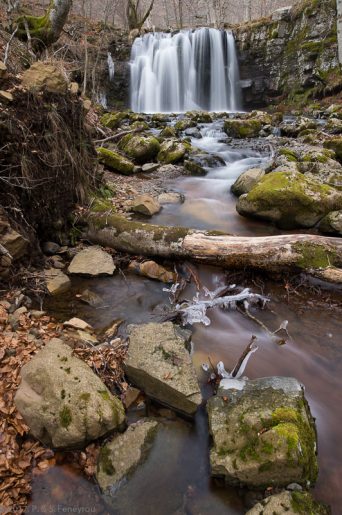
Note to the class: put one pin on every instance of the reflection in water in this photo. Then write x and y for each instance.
(313, 355)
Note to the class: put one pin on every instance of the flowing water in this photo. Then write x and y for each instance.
(176, 476)
(188, 70)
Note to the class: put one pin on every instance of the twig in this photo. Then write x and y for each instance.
(243, 356)
(29, 39)
(256, 320)
(119, 135)
(8, 45)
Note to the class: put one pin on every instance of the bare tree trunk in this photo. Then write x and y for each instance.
(269, 253)
(46, 29)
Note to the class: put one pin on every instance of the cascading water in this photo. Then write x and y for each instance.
(111, 66)
(185, 71)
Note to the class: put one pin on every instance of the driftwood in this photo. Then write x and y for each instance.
(305, 252)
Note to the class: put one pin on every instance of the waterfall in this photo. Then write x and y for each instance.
(185, 71)
(111, 66)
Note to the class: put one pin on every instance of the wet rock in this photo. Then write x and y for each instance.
(198, 164)
(44, 76)
(242, 128)
(77, 323)
(289, 503)
(159, 363)
(168, 132)
(63, 402)
(120, 457)
(193, 132)
(113, 120)
(263, 433)
(50, 248)
(199, 116)
(56, 281)
(332, 223)
(171, 197)
(92, 261)
(145, 205)
(183, 124)
(152, 270)
(171, 151)
(140, 148)
(115, 161)
(247, 180)
(150, 167)
(89, 297)
(290, 200)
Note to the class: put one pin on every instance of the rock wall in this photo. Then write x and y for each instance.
(293, 55)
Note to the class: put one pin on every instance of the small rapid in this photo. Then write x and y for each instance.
(188, 70)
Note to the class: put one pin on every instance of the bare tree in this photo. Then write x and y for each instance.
(136, 17)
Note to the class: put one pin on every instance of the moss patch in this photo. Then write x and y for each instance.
(313, 255)
(65, 417)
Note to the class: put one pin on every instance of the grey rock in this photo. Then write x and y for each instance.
(332, 223)
(171, 197)
(63, 402)
(159, 363)
(150, 167)
(247, 180)
(263, 433)
(92, 261)
(56, 281)
(289, 503)
(50, 248)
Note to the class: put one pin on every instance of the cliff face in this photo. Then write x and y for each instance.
(292, 55)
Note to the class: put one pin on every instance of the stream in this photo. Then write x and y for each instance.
(176, 476)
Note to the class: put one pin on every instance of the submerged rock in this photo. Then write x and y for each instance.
(115, 161)
(172, 151)
(263, 433)
(120, 457)
(140, 148)
(92, 261)
(290, 199)
(171, 197)
(247, 180)
(289, 503)
(152, 270)
(236, 128)
(159, 363)
(63, 402)
(198, 164)
(145, 205)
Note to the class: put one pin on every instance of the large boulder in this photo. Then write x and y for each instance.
(242, 128)
(159, 363)
(289, 199)
(263, 433)
(334, 144)
(63, 402)
(113, 120)
(120, 457)
(145, 205)
(247, 180)
(115, 161)
(45, 76)
(172, 151)
(289, 503)
(92, 261)
(140, 148)
(332, 223)
(184, 123)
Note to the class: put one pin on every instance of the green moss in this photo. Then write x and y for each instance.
(105, 462)
(313, 255)
(85, 397)
(140, 148)
(115, 161)
(184, 124)
(113, 120)
(242, 128)
(304, 504)
(168, 132)
(105, 395)
(171, 151)
(289, 154)
(65, 417)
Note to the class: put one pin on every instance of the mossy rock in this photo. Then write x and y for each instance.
(332, 223)
(168, 132)
(140, 124)
(172, 151)
(140, 148)
(184, 123)
(263, 433)
(198, 164)
(290, 200)
(335, 144)
(199, 116)
(242, 128)
(247, 180)
(113, 120)
(115, 161)
(289, 503)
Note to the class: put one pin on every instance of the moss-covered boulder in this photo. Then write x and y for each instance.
(168, 132)
(63, 402)
(247, 180)
(121, 456)
(184, 123)
(172, 151)
(236, 128)
(290, 200)
(140, 125)
(332, 223)
(335, 144)
(289, 503)
(199, 116)
(263, 433)
(115, 161)
(113, 120)
(139, 147)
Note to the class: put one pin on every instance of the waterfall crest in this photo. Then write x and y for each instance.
(185, 71)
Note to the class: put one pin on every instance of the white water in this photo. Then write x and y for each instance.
(189, 70)
(111, 66)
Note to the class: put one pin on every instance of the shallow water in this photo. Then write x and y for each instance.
(176, 476)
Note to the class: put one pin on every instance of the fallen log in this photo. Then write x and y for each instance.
(306, 252)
